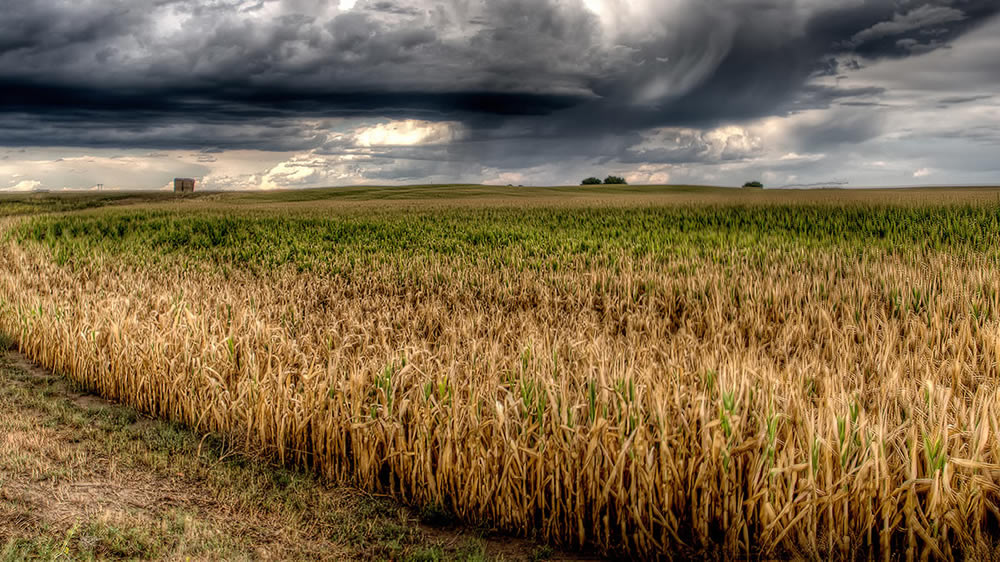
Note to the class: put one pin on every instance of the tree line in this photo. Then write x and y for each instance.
(610, 180)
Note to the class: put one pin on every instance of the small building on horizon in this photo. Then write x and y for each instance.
(183, 185)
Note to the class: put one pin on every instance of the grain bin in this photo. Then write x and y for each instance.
(183, 185)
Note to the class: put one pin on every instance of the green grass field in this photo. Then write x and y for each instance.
(308, 239)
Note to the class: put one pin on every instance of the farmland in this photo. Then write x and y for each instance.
(647, 372)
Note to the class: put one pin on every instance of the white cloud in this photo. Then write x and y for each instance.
(922, 173)
(720, 144)
(407, 132)
(302, 170)
(650, 174)
(507, 178)
(796, 157)
(25, 185)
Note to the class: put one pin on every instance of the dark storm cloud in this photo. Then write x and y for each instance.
(244, 74)
(156, 131)
(766, 64)
(955, 100)
(839, 126)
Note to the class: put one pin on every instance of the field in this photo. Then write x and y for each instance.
(83, 479)
(652, 372)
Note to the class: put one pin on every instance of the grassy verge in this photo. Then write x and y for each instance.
(83, 479)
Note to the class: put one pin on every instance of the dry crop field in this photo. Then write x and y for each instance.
(84, 480)
(658, 373)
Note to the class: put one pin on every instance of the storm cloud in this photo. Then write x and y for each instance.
(517, 82)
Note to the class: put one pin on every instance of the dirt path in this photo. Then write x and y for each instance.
(83, 479)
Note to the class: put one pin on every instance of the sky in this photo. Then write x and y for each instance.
(277, 94)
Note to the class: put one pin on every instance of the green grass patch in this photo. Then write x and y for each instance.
(534, 238)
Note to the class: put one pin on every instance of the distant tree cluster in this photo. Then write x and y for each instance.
(610, 180)
(753, 185)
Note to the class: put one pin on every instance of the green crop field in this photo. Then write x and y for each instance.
(536, 237)
(651, 372)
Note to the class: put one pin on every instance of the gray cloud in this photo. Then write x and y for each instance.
(528, 82)
(845, 125)
(925, 17)
(93, 67)
(954, 100)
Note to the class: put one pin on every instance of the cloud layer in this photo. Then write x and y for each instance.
(465, 86)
